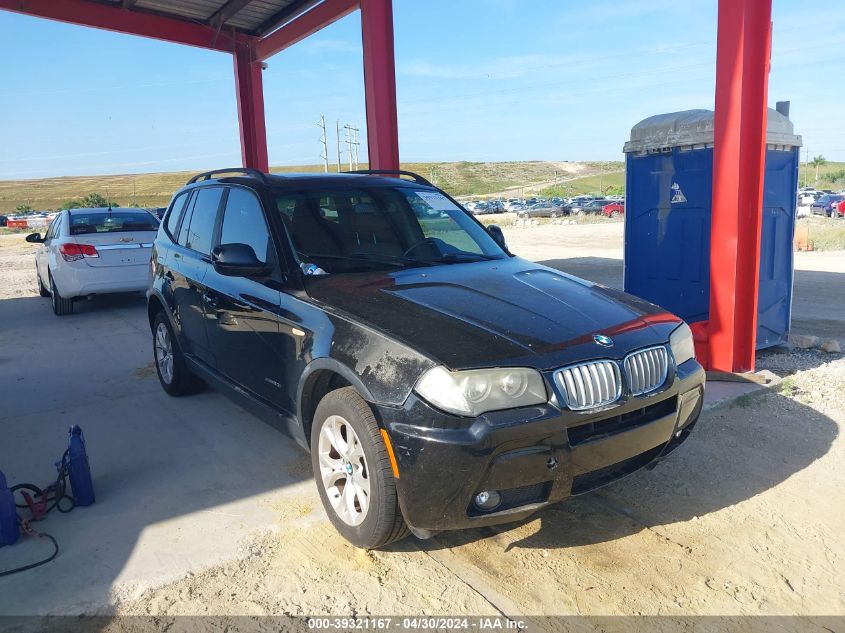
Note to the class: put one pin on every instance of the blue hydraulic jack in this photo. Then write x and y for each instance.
(73, 467)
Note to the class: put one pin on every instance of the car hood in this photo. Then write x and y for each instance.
(495, 313)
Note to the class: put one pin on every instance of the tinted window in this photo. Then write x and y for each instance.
(243, 223)
(86, 222)
(356, 229)
(198, 230)
(175, 213)
(54, 227)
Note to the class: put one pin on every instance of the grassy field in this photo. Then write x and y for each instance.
(825, 234)
(153, 190)
(831, 176)
(608, 183)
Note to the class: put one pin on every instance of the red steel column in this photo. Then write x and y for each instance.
(380, 83)
(742, 68)
(250, 93)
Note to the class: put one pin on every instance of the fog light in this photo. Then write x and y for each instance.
(487, 500)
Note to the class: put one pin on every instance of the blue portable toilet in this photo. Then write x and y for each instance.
(668, 188)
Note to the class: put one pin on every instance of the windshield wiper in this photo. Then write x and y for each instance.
(399, 262)
(461, 258)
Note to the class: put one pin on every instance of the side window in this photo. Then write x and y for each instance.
(175, 213)
(243, 223)
(198, 231)
(54, 227)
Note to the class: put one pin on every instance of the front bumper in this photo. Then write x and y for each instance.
(533, 456)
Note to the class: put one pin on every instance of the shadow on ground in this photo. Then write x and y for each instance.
(732, 456)
(178, 481)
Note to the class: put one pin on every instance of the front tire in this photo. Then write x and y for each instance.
(173, 373)
(353, 472)
(42, 291)
(61, 306)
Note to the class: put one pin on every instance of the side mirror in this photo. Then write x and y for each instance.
(35, 238)
(495, 232)
(238, 260)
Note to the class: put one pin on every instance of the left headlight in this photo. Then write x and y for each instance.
(476, 391)
(682, 344)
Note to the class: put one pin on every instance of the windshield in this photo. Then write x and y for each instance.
(366, 228)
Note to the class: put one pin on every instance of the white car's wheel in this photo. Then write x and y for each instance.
(42, 289)
(61, 306)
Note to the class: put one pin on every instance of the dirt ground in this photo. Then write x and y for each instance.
(745, 519)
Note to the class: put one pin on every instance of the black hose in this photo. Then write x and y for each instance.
(58, 489)
(59, 493)
(55, 553)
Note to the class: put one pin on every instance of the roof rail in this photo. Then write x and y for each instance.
(399, 172)
(206, 175)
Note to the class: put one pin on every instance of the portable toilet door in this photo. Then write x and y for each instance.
(669, 185)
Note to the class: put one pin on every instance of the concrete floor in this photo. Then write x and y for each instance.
(180, 483)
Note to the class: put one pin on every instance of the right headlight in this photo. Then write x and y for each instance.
(477, 391)
(682, 344)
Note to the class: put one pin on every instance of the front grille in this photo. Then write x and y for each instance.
(646, 370)
(625, 422)
(590, 385)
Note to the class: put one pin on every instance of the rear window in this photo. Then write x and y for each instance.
(82, 223)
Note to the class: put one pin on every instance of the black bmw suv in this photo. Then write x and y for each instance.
(438, 381)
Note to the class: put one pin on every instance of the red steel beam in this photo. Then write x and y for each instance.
(380, 83)
(250, 93)
(742, 66)
(124, 20)
(325, 13)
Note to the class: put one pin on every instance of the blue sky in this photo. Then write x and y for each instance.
(476, 80)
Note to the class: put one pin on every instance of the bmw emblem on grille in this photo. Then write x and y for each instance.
(604, 341)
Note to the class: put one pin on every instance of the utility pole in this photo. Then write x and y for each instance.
(325, 152)
(337, 124)
(352, 145)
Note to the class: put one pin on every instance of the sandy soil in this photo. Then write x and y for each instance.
(745, 519)
(17, 266)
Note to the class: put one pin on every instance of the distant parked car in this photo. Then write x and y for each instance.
(825, 204)
(614, 209)
(542, 210)
(806, 198)
(93, 251)
(593, 207)
(840, 209)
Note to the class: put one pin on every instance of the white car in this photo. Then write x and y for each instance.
(805, 199)
(93, 251)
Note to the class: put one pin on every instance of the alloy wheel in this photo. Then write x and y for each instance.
(343, 470)
(164, 353)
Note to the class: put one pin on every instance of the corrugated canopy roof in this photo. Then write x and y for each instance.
(254, 17)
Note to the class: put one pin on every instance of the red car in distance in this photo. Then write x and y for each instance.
(614, 209)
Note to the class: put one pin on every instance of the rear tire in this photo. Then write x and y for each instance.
(173, 373)
(362, 464)
(61, 306)
(41, 289)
